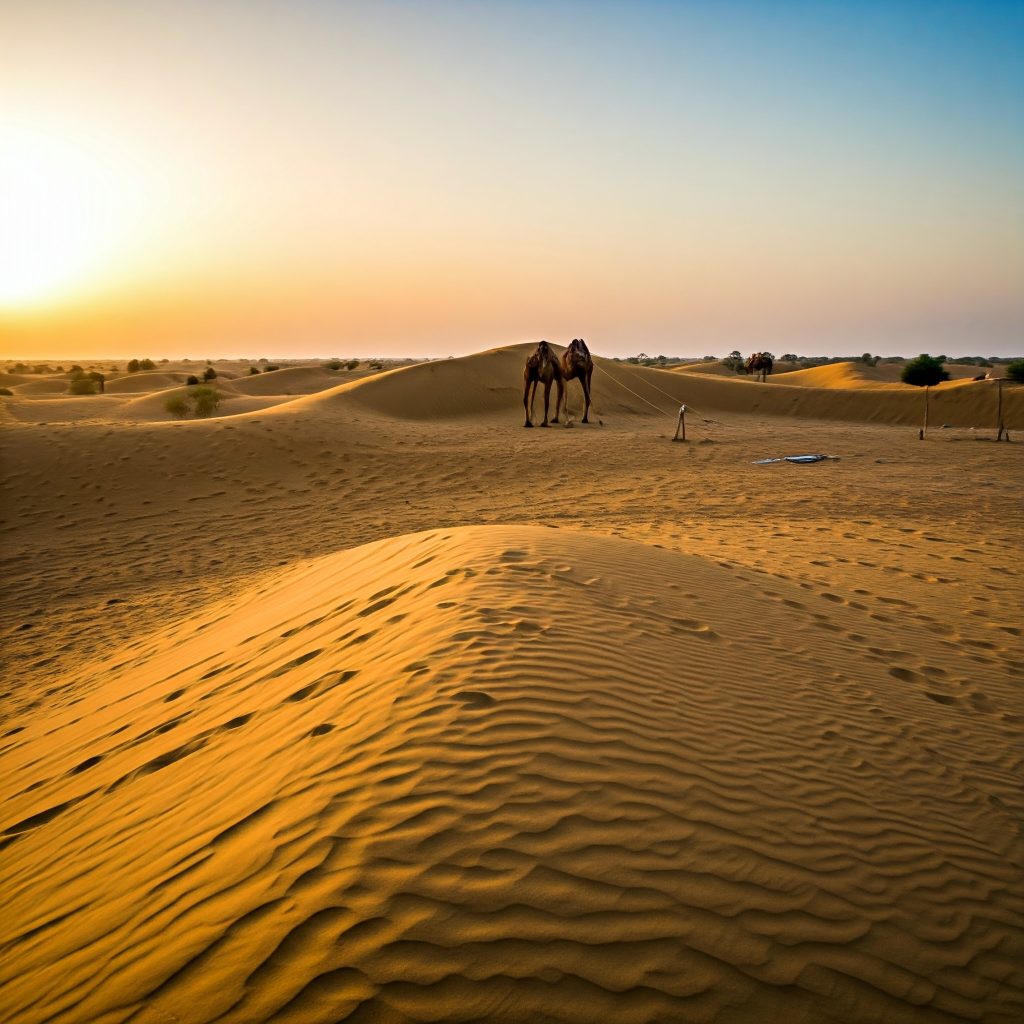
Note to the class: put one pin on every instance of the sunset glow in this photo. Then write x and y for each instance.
(413, 179)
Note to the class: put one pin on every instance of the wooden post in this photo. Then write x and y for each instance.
(999, 411)
(924, 432)
(681, 425)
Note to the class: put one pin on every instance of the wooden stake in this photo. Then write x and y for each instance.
(999, 411)
(924, 432)
(681, 425)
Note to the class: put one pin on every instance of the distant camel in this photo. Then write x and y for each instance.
(760, 363)
(577, 365)
(541, 368)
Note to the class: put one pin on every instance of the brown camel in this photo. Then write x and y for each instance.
(760, 363)
(541, 368)
(578, 365)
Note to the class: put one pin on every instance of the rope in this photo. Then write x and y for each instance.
(634, 394)
(662, 391)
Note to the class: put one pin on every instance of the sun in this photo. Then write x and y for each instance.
(61, 216)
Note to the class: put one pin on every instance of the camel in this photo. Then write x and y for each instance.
(760, 363)
(541, 368)
(578, 365)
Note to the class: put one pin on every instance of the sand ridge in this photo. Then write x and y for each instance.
(402, 783)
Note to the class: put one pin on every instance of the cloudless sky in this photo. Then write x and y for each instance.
(253, 177)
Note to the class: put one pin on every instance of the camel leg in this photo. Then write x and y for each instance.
(585, 381)
(558, 397)
(526, 391)
(547, 398)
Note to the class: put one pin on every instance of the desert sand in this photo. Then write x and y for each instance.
(360, 702)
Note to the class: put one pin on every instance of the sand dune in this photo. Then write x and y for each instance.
(294, 380)
(860, 375)
(312, 716)
(144, 382)
(411, 782)
(490, 383)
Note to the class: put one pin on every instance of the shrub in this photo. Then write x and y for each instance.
(270, 367)
(6, 391)
(177, 405)
(41, 368)
(133, 366)
(209, 373)
(82, 386)
(333, 364)
(147, 364)
(191, 379)
(924, 371)
(1015, 371)
(351, 364)
(165, 360)
(868, 359)
(254, 371)
(100, 379)
(207, 401)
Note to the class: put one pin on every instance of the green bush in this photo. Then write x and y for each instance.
(1015, 371)
(209, 373)
(177, 405)
(924, 372)
(82, 386)
(191, 379)
(207, 401)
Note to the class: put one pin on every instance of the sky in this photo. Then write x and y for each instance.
(247, 178)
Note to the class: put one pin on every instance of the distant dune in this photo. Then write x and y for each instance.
(490, 383)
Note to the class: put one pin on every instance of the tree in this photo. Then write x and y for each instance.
(82, 386)
(868, 359)
(1015, 371)
(191, 379)
(133, 366)
(333, 364)
(209, 373)
(254, 371)
(351, 364)
(100, 379)
(147, 364)
(924, 372)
